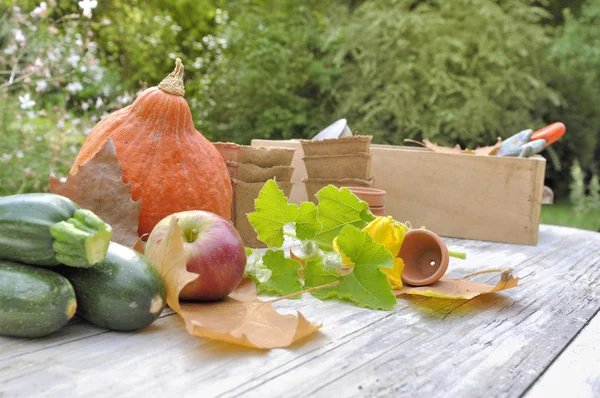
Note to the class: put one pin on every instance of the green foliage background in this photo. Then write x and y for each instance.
(461, 71)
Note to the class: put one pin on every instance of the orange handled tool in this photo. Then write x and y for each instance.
(550, 133)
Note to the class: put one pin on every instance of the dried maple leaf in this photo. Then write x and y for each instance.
(441, 149)
(486, 150)
(245, 320)
(461, 289)
(170, 259)
(241, 318)
(98, 186)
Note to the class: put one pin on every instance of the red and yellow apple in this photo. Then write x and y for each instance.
(215, 252)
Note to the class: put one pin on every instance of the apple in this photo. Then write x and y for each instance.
(215, 252)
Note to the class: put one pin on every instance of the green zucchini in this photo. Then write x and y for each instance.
(34, 302)
(47, 229)
(124, 292)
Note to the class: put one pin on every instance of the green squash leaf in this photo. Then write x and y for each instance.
(285, 278)
(367, 285)
(338, 208)
(307, 224)
(272, 212)
(317, 274)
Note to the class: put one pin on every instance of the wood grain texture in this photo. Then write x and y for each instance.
(495, 345)
(473, 197)
(576, 372)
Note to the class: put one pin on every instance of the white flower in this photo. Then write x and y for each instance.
(41, 86)
(73, 60)
(41, 10)
(85, 106)
(74, 87)
(87, 6)
(99, 103)
(19, 37)
(26, 101)
(19, 154)
(60, 124)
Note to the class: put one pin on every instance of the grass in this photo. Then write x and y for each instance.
(564, 214)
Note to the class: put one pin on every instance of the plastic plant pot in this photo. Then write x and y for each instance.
(373, 196)
(425, 257)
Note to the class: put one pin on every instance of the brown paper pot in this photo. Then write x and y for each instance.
(252, 173)
(265, 157)
(337, 167)
(425, 257)
(337, 146)
(244, 195)
(314, 185)
(228, 150)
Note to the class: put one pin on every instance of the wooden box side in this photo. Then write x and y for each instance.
(462, 196)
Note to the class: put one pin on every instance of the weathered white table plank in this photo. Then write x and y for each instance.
(494, 345)
(576, 372)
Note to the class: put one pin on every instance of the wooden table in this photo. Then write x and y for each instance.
(540, 339)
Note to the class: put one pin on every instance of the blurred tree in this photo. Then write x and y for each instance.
(465, 71)
(573, 70)
(274, 78)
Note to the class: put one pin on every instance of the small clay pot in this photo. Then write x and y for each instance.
(228, 150)
(373, 196)
(425, 257)
(378, 210)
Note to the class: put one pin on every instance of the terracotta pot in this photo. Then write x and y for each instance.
(378, 210)
(373, 196)
(314, 185)
(425, 257)
(228, 150)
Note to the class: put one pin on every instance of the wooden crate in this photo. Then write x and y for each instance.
(463, 196)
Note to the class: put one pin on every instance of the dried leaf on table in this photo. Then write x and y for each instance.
(170, 259)
(461, 289)
(98, 186)
(441, 149)
(245, 320)
(486, 150)
(241, 318)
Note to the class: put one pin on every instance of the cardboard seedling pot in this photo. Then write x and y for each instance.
(265, 157)
(244, 195)
(425, 257)
(337, 146)
(314, 185)
(357, 165)
(252, 173)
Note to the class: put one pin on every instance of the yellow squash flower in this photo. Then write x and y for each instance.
(390, 234)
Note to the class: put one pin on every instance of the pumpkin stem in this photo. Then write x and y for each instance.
(173, 84)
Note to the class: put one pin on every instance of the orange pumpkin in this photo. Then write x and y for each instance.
(170, 165)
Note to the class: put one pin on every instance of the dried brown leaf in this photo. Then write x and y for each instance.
(486, 150)
(243, 319)
(170, 259)
(441, 149)
(461, 289)
(98, 186)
